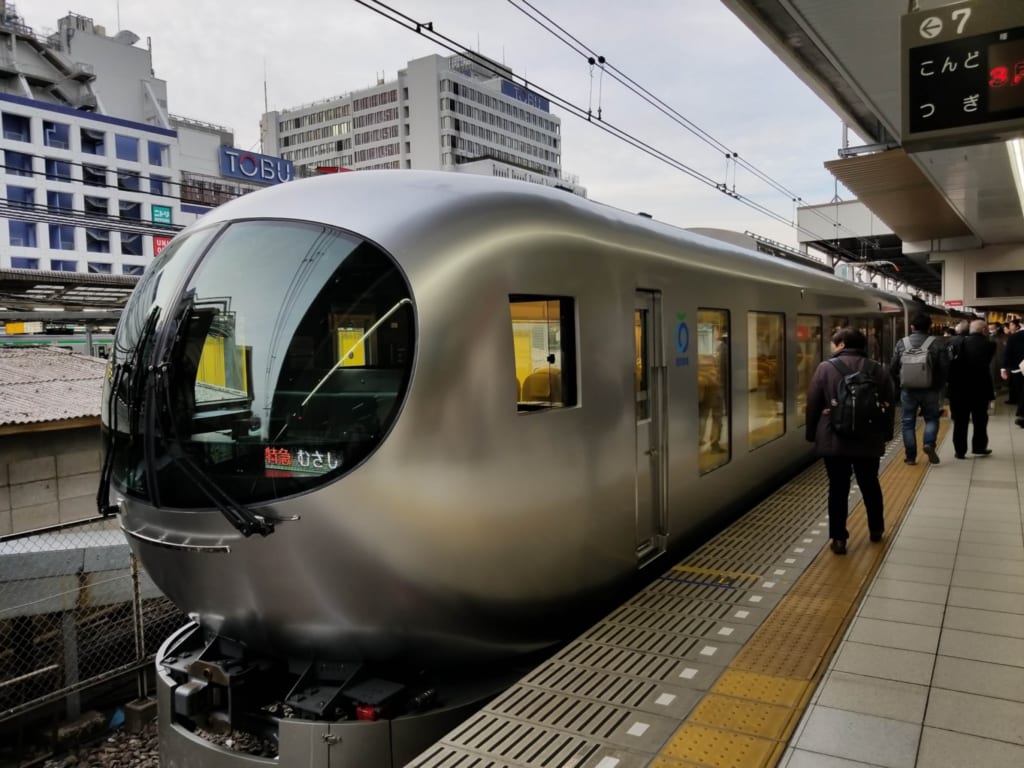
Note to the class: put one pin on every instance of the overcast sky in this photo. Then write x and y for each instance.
(693, 54)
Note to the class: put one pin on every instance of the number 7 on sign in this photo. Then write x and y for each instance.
(961, 15)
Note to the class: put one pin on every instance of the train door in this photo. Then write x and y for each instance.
(649, 380)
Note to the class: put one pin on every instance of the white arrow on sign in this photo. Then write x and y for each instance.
(931, 27)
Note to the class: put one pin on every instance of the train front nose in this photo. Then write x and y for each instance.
(258, 361)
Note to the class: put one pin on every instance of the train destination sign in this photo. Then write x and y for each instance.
(963, 74)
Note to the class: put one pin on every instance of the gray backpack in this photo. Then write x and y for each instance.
(916, 365)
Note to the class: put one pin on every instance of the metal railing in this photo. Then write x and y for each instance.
(76, 610)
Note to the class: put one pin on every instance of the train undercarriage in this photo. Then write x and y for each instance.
(222, 707)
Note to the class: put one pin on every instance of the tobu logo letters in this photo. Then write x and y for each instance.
(251, 166)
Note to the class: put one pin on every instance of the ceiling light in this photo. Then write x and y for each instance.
(1016, 149)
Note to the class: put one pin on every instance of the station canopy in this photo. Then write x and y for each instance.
(30, 294)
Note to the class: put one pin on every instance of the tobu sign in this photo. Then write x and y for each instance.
(250, 166)
(525, 95)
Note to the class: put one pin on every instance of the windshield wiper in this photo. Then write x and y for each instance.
(342, 359)
(130, 369)
(240, 516)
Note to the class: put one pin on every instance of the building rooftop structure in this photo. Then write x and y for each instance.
(461, 113)
(47, 388)
(97, 175)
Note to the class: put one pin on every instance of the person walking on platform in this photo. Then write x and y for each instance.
(996, 333)
(954, 346)
(1011, 373)
(1013, 353)
(849, 420)
(919, 367)
(970, 390)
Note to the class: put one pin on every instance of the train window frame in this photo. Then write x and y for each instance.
(557, 316)
(714, 388)
(767, 377)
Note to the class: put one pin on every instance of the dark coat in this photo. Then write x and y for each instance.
(1014, 352)
(970, 375)
(823, 390)
(936, 353)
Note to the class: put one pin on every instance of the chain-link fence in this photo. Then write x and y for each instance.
(76, 609)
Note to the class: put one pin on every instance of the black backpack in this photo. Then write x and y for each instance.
(857, 409)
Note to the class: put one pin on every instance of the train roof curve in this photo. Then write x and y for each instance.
(400, 210)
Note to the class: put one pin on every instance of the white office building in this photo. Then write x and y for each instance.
(457, 113)
(97, 176)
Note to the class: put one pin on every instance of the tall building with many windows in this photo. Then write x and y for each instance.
(97, 176)
(458, 113)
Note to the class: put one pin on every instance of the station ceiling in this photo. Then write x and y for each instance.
(849, 54)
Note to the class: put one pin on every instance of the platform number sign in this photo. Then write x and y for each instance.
(963, 74)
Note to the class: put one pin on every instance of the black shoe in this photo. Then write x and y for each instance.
(839, 546)
(986, 452)
(876, 536)
(1019, 422)
(933, 457)
(910, 462)
(961, 456)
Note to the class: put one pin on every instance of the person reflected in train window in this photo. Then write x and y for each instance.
(925, 399)
(713, 395)
(874, 347)
(856, 452)
(970, 390)
(718, 404)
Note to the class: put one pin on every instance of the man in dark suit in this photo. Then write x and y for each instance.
(1012, 357)
(970, 390)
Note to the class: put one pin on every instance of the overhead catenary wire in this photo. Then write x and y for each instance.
(426, 29)
(582, 49)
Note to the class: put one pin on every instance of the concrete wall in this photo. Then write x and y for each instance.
(48, 478)
(961, 268)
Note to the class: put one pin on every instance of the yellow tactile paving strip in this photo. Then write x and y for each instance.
(748, 716)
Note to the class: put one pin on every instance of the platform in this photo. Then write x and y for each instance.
(763, 648)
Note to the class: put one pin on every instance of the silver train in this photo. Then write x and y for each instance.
(431, 417)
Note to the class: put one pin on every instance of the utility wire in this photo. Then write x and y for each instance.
(426, 29)
(581, 48)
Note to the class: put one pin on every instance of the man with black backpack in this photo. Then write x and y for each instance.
(849, 420)
(919, 366)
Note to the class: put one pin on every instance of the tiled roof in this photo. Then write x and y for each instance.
(42, 384)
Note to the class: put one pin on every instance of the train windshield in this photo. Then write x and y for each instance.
(289, 353)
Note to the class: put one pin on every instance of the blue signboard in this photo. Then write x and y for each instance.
(251, 166)
(525, 95)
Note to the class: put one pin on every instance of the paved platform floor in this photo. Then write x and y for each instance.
(930, 673)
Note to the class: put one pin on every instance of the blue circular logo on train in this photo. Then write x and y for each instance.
(682, 338)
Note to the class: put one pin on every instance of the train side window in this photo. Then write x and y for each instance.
(766, 367)
(714, 368)
(544, 341)
(808, 355)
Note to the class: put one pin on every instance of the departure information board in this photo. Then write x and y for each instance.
(963, 74)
